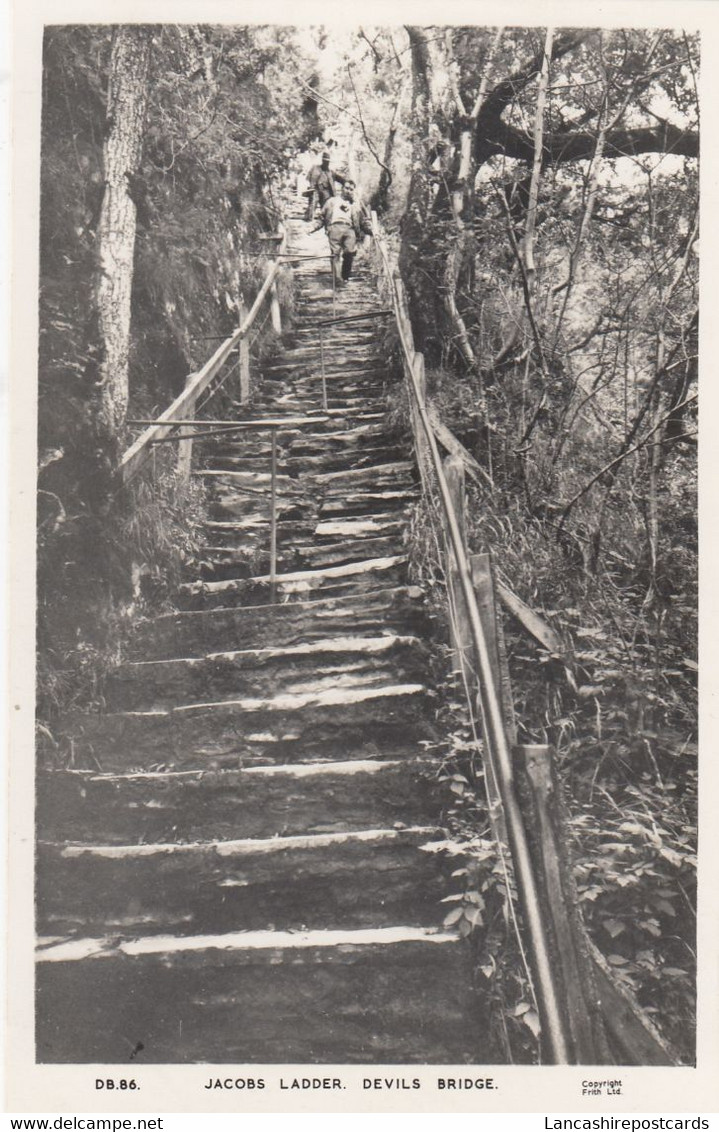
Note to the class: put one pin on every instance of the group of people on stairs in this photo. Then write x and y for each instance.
(344, 219)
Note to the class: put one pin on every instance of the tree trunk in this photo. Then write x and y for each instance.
(453, 269)
(463, 188)
(352, 154)
(126, 104)
(386, 175)
(463, 205)
(415, 207)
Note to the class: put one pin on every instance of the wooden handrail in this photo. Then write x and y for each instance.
(138, 452)
(498, 750)
(235, 426)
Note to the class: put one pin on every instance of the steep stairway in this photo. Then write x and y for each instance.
(242, 863)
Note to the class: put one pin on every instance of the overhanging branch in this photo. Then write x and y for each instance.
(580, 145)
(504, 93)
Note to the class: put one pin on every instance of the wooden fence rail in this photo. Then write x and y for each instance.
(496, 750)
(183, 407)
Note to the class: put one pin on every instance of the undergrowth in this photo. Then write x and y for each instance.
(149, 537)
(618, 706)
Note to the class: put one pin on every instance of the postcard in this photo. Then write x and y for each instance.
(355, 749)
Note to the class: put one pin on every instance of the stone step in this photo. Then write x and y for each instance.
(388, 571)
(337, 336)
(261, 801)
(232, 733)
(260, 479)
(306, 508)
(244, 537)
(356, 879)
(357, 393)
(356, 407)
(255, 485)
(228, 506)
(320, 297)
(360, 387)
(396, 995)
(356, 504)
(198, 632)
(398, 476)
(366, 416)
(338, 662)
(341, 433)
(371, 526)
(222, 561)
(334, 554)
(357, 390)
(320, 288)
(306, 457)
(302, 464)
(350, 407)
(399, 469)
(234, 520)
(260, 874)
(338, 357)
(334, 435)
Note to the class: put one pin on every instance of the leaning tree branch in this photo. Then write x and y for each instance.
(526, 290)
(373, 49)
(368, 141)
(578, 145)
(316, 94)
(452, 74)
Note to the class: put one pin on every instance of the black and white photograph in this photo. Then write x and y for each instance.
(366, 614)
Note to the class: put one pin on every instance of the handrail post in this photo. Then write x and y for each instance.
(460, 634)
(275, 309)
(184, 447)
(322, 367)
(273, 513)
(137, 453)
(244, 352)
(483, 584)
(420, 440)
(540, 802)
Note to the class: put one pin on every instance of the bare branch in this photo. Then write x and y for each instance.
(452, 73)
(316, 94)
(622, 456)
(525, 281)
(482, 92)
(536, 164)
(373, 49)
(368, 141)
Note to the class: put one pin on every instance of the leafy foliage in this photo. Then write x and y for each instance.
(224, 111)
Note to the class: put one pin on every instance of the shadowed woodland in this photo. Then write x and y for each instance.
(540, 191)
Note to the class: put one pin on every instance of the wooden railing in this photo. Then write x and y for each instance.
(496, 751)
(576, 997)
(182, 409)
(272, 425)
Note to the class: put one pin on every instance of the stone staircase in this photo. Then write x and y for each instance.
(246, 869)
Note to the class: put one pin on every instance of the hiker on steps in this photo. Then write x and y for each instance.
(321, 185)
(346, 222)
